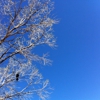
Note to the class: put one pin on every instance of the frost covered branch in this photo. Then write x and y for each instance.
(24, 25)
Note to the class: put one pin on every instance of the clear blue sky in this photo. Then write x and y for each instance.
(75, 72)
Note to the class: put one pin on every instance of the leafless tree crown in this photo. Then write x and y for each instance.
(24, 24)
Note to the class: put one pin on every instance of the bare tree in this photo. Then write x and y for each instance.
(24, 24)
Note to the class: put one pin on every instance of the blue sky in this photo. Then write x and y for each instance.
(75, 72)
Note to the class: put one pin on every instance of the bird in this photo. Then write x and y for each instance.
(17, 76)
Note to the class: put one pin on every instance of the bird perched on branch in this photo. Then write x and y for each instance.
(17, 76)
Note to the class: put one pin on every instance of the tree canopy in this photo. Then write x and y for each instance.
(24, 24)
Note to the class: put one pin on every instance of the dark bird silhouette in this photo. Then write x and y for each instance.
(17, 76)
